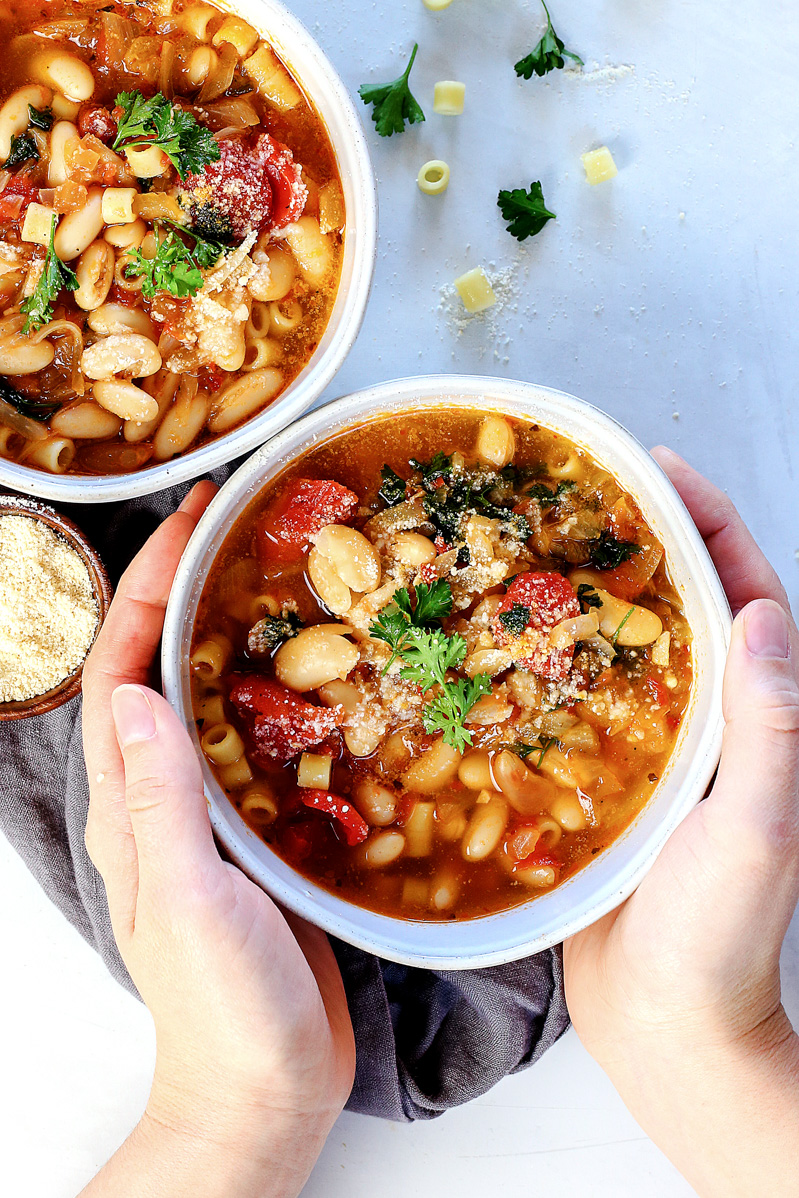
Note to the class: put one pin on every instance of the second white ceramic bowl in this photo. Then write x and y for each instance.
(613, 874)
(327, 91)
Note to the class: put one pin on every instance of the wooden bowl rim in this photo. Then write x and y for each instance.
(21, 505)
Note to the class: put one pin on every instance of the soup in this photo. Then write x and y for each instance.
(171, 230)
(439, 664)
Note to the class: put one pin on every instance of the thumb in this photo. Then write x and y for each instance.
(754, 805)
(163, 790)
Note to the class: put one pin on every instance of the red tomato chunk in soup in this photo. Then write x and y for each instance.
(171, 230)
(439, 664)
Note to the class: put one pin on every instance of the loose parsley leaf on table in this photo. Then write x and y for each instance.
(428, 653)
(23, 149)
(607, 552)
(546, 56)
(525, 211)
(56, 276)
(393, 103)
(177, 267)
(157, 122)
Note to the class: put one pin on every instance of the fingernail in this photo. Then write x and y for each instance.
(766, 629)
(185, 501)
(133, 716)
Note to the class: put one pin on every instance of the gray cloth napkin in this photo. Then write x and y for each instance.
(426, 1040)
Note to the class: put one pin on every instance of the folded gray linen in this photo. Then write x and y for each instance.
(426, 1040)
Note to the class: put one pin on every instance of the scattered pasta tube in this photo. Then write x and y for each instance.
(436, 5)
(448, 97)
(433, 178)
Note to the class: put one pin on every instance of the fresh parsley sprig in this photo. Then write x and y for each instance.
(56, 276)
(428, 653)
(177, 267)
(548, 55)
(393, 103)
(525, 211)
(188, 145)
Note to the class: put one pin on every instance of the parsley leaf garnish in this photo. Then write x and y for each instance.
(55, 277)
(546, 56)
(394, 103)
(516, 619)
(23, 149)
(607, 552)
(176, 267)
(525, 211)
(40, 118)
(587, 597)
(188, 145)
(428, 653)
(392, 488)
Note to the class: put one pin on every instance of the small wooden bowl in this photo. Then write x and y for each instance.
(18, 505)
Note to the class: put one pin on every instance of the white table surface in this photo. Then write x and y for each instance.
(667, 297)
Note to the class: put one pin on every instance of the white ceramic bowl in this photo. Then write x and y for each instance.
(327, 91)
(613, 874)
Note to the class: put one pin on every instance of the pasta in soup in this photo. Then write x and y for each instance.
(439, 664)
(171, 230)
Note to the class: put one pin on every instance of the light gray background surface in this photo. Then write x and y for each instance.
(667, 297)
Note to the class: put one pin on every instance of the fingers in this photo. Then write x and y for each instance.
(754, 804)
(163, 795)
(124, 652)
(745, 573)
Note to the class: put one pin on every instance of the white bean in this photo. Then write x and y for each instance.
(77, 230)
(312, 249)
(382, 849)
(118, 318)
(496, 443)
(314, 656)
(475, 771)
(434, 770)
(329, 586)
(567, 810)
(85, 420)
(242, 398)
(125, 400)
(377, 804)
(413, 549)
(18, 355)
(65, 73)
(353, 557)
(14, 118)
(95, 272)
(485, 829)
(180, 426)
(121, 353)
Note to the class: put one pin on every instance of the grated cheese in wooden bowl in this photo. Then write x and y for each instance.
(48, 608)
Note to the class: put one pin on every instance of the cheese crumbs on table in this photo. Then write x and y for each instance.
(48, 611)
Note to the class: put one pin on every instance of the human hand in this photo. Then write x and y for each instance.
(677, 992)
(255, 1055)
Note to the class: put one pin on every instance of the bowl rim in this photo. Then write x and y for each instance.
(378, 933)
(354, 161)
(69, 687)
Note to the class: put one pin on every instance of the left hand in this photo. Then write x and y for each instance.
(254, 1043)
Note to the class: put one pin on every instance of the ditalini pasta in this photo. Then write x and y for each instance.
(439, 663)
(171, 230)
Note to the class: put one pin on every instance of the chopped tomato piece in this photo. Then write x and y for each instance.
(280, 724)
(428, 573)
(658, 691)
(18, 193)
(352, 824)
(304, 507)
(255, 186)
(534, 603)
(211, 377)
(538, 859)
(98, 121)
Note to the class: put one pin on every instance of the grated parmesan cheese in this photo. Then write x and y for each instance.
(48, 611)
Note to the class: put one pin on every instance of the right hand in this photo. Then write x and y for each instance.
(255, 1052)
